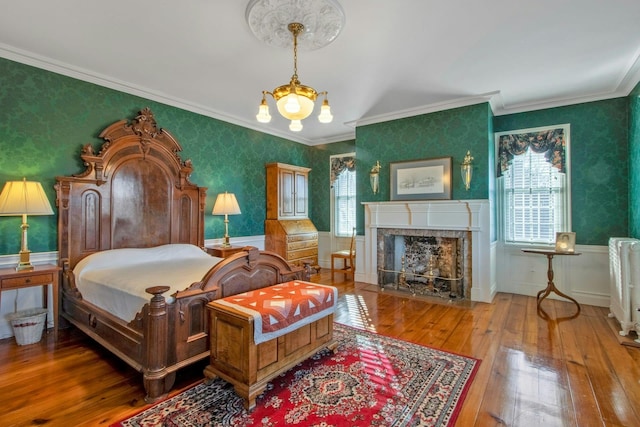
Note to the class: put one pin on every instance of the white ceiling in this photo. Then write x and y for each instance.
(393, 58)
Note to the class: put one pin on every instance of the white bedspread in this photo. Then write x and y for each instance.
(116, 280)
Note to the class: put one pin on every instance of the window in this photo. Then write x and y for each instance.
(345, 203)
(533, 187)
(344, 195)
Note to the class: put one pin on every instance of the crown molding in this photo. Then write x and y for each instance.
(631, 78)
(426, 109)
(498, 108)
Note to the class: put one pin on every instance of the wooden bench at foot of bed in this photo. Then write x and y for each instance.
(258, 335)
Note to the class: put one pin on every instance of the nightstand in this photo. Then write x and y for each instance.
(223, 252)
(41, 275)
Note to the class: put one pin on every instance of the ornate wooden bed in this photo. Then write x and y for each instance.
(136, 193)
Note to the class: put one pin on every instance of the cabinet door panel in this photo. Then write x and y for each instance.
(300, 195)
(287, 193)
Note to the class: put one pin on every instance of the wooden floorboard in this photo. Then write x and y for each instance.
(548, 368)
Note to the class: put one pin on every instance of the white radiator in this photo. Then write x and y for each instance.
(624, 273)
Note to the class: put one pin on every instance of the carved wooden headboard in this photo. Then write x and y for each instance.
(135, 192)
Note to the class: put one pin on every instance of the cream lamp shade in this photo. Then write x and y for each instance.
(22, 198)
(226, 204)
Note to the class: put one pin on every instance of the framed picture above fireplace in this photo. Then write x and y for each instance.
(427, 179)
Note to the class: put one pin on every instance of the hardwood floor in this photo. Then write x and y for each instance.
(534, 371)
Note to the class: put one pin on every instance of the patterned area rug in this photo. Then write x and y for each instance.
(371, 380)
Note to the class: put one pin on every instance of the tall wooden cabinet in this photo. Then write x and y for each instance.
(288, 230)
(287, 191)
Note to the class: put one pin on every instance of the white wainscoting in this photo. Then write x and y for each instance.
(257, 241)
(326, 245)
(584, 277)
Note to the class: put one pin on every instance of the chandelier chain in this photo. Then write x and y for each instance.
(295, 55)
(295, 28)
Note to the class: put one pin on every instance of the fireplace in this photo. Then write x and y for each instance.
(428, 262)
(411, 240)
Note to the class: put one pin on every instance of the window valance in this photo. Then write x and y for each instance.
(339, 165)
(551, 142)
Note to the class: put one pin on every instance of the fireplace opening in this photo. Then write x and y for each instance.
(425, 262)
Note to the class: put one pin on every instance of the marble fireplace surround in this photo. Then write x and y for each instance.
(472, 216)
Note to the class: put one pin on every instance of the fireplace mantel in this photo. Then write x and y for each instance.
(468, 215)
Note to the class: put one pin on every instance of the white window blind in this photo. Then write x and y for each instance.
(344, 190)
(534, 200)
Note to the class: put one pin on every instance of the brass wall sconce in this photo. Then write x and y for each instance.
(466, 169)
(374, 177)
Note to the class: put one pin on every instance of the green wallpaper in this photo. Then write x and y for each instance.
(634, 162)
(447, 133)
(45, 119)
(599, 164)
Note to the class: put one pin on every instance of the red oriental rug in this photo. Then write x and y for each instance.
(371, 380)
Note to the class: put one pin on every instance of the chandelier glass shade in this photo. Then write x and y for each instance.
(294, 100)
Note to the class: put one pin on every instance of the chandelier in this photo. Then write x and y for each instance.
(294, 100)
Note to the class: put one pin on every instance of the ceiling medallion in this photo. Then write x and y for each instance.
(269, 21)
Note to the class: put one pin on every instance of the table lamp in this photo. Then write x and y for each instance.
(226, 204)
(22, 198)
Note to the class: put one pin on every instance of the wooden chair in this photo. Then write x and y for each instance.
(348, 258)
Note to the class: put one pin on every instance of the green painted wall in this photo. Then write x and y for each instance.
(447, 133)
(45, 119)
(599, 163)
(634, 162)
